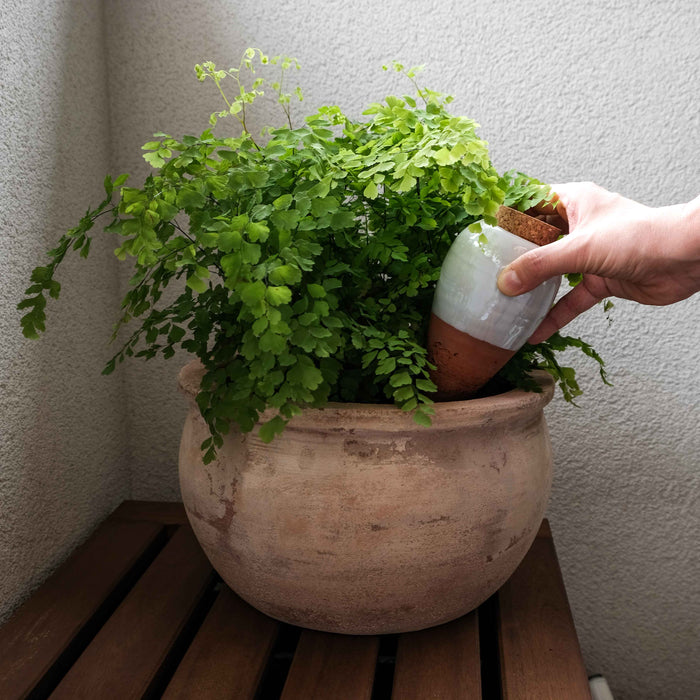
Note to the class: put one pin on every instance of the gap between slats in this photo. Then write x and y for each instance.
(489, 650)
(228, 655)
(386, 664)
(279, 662)
(182, 642)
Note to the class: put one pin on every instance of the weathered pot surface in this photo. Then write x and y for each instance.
(357, 520)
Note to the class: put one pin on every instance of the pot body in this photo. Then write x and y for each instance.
(357, 520)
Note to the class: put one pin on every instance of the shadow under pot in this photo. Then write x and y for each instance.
(474, 328)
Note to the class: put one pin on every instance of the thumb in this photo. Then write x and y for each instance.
(536, 266)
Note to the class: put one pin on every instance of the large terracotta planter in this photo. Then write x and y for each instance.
(357, 520)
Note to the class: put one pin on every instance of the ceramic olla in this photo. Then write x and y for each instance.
(474, 328)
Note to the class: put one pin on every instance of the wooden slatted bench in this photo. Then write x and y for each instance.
(138, 612)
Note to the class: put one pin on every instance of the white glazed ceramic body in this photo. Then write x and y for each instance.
(468, 298)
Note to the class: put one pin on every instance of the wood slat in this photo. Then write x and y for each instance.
(227, 657)
(51, 627)
(125, 657)
(166, 512)
(442, 662)
(332, 666)
(540, 654)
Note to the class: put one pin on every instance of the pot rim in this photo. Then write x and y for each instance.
(492, 410)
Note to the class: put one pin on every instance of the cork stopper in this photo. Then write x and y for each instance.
(527, 227)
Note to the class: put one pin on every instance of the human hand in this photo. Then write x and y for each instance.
(623, 248)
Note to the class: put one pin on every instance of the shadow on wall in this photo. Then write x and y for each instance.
(64, 447)
(145, 34)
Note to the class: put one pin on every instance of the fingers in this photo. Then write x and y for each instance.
(578, 300)
(552, 206)
(552, 218)
(536, 266)
(552, 210)
(568, 199)
(555, 202)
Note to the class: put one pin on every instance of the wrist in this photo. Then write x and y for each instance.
(685, 222)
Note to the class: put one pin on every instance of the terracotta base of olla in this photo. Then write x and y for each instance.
(356, 520)
(465, 363)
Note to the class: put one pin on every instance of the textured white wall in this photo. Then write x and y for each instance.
(62, 432)
(600, 90)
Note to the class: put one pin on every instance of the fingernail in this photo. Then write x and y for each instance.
(509, 282)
